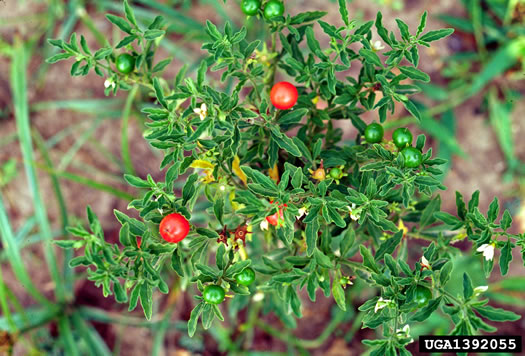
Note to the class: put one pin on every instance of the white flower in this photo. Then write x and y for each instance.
(488, 251)
(202, 111)
(381, 303)
(302, 212)
(425, 263)
(480, 289)
(263, 225)
(222, 187)
(377, 46)
(109, 83)
(353, 214)
(405, 330)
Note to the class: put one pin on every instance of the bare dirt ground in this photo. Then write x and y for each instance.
(482, 170)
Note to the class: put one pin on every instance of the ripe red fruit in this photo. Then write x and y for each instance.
(277, 219)
(174, 228)
(284, 95)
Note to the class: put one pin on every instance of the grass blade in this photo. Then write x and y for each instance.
(19, 87)
(124, 144)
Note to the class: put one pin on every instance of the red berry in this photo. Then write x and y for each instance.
(174, 228)
(283, 95)
(276, 219)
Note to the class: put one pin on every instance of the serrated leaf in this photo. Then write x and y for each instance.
(497, 314)
(343, 10)
(194, 317)
(506, 257)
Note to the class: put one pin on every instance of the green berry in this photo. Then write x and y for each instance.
(125, 63)
(412, 156)
(213, 294)
(273, 8)
(374, 133)
(402, 137)
(335, 173)
(250, 7)
(246, 277)
(422, 295)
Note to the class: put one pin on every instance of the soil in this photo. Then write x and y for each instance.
(483, 169)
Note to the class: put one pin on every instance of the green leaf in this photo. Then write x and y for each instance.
(161, 65)
(218, 208)
(368, 259)
(313, 44)
(322, 259)
(194, 318)
(120, 294)
(335, 216)
(152, 34)
(136, 227)
(59, 57)
(339, 294)
(493, 210)
(176, 262)
(237, 268)
(124, 235)
(102, 53)
(389, 245)
(146, 300)
(506, 257)
(497, 314)
(343, 10)
(201, 129)
(428, 310)
(159, 93)
(427, 215)
(312, 230)
(422, 24)
(415, 74)
(506, 220)
(293, 116)
(188, 191)
(129, 14)
(259, 178)
(134, 296)
(201, 73)
(308, 16)
(444, 273)
(136, 181)
(207, 233)
(120, 22)
(468, 291)
(287, 144)
(403, 29)
(412, 108)
(370, 56)
(436, 35)
(448, 219)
